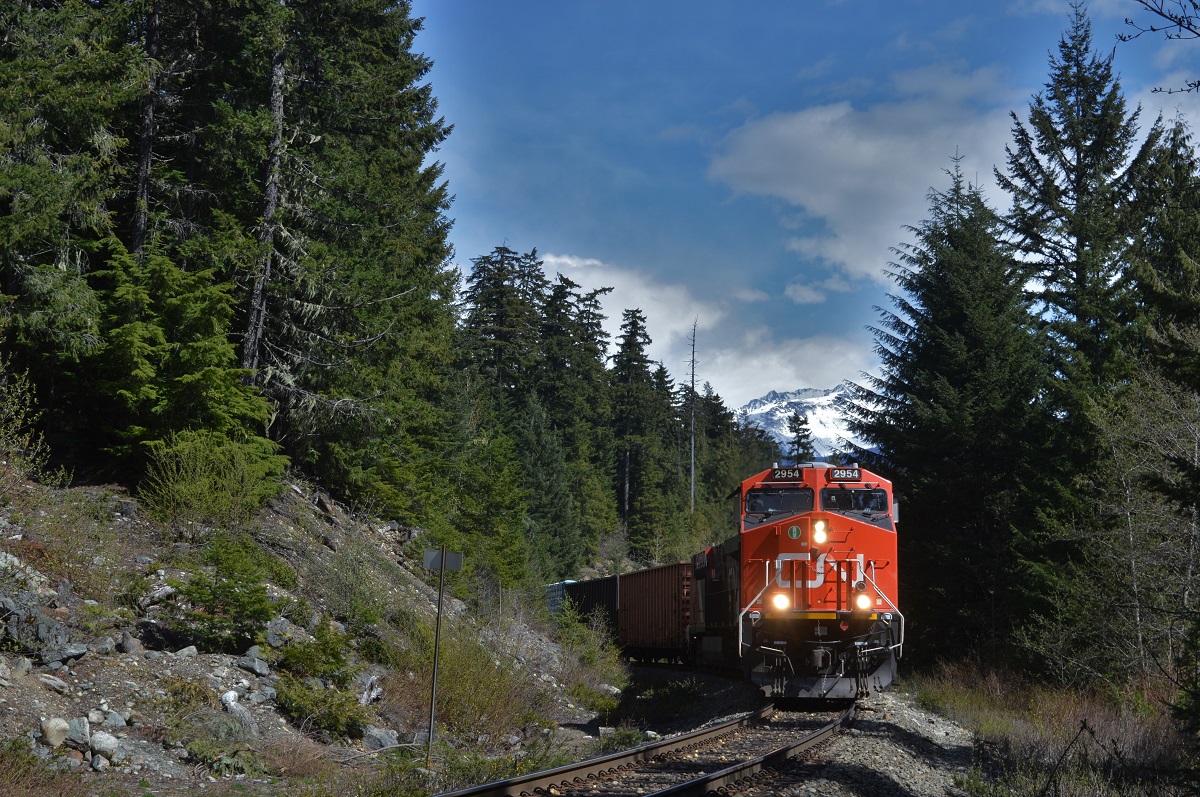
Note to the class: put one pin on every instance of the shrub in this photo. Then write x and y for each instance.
(326, 657)
(1085, 743)
(622, 738)
(482, 689)
(325, 709)
(591, 659)
(225, 613)
(239, 553)
(23, 451)
(198, 479)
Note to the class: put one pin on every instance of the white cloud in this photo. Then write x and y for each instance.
(670, 308)
(862, 174)
(801, 293)
(740, 364)
(756, 361)
(750, 295)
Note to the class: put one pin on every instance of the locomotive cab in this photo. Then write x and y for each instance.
(804, 597)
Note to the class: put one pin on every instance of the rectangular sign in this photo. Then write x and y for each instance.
(433, 559)
(845, 474)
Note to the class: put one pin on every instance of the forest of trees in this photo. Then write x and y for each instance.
(1038, 401)
(223, 228)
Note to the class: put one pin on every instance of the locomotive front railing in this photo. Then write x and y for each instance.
(899, 646)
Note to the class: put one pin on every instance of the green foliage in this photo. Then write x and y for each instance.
(168, 363)
(551, 514)
(321, 708)
(623, 737)
(800, 446)
(591, 658)
(239, 553)
(23, 451)
(198, 479)
(404, 774)
(958, 423)
(227, 608)
(355, 586)
(327, 657)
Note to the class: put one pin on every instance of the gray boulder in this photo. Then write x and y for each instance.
(376, 738)
(105, 744)
(79, 733)
(23, 624)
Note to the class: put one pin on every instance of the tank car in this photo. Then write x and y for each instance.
(803, 598)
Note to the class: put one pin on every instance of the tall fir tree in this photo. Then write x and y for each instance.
(504, 296)
(800, 442)
(640, 410)
(958, 422)
(1070, 172)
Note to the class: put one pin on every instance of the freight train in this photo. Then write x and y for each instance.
(803, 599)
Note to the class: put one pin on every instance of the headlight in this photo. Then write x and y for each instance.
(780, 601)
(819, 536)
(863, 601)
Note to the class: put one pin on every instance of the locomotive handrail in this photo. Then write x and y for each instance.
(754, 600)
(899, 646)
(781, 654)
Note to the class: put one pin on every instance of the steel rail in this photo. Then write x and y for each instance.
(720, 782)
(563, 777)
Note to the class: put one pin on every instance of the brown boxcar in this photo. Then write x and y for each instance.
(598, 595)
(649, 610)
(656, 608)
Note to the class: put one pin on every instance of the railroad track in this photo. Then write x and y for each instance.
(696, 763)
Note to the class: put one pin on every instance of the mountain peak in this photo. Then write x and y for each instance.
(829, 431)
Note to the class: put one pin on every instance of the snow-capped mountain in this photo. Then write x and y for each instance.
(771, 412)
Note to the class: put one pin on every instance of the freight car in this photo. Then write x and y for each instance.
(802, 598)
(648, 611)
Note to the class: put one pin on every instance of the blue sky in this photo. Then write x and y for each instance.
(744, 166)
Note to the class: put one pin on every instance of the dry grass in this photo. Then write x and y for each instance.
(296, 756)
(70, 536)
(24, 775)
(1037, 738)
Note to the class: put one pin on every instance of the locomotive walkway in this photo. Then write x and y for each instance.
(711, 759)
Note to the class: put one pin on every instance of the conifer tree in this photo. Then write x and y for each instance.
(66, 75)
(1070, 171)
(955, 414)
(641, 410)
(504, 295)
(800, 443)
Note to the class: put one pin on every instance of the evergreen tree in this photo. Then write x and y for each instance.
(956, 416)
(572, 384)
(552, 516)
(66, 77)
(505, 294)
(1070, 172)
(640, 412)
(168, 364)
(800, 443)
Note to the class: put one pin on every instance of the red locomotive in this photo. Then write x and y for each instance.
(802, 599)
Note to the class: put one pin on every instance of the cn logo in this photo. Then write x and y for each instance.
(819, 568)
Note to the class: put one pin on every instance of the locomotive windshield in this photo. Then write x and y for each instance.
(764, 504)
(867, 501)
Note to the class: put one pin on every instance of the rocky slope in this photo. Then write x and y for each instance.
(95, 682)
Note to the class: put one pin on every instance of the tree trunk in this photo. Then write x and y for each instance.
(141, 211)
(266, 237)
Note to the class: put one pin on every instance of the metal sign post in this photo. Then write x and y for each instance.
(443, 561)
